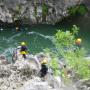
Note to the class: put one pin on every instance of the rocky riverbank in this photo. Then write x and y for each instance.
(24, 75)
(35, 11)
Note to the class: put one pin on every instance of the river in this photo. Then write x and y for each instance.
(39, 37)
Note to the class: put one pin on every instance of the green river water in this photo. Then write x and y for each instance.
(39, 37)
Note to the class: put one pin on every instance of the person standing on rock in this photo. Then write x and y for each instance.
(44, 68)
(23, 49)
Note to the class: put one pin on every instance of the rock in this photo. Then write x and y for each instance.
(35, 11)
(23, 75)
(83, 84)
(36, 84)
(87, 3)
(13, 76)
(4, 71)
(54, 82)
(3, 60)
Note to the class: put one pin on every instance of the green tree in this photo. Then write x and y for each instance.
(75, 58)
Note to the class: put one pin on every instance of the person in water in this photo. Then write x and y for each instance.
(78, 43)
(23, 49)
(44, 68)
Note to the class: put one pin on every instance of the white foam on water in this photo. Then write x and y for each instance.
(16, 35)
(39, 34)
(8, 51)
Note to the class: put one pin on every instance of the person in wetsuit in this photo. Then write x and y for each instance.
(44, 69)
(78, 43)
(23, 49)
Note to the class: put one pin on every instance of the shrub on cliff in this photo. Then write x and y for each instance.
(75, 57)
(78, 10)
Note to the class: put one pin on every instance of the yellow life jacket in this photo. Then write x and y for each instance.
(23, 52)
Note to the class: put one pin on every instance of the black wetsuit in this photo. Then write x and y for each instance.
(23, 48)
(43, 70)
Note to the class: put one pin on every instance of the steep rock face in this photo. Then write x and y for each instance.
(87, 3)
(35, 11)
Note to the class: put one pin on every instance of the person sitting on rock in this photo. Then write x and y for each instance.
(44, 68)
(23, 49)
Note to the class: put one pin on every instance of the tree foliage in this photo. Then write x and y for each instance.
(78, 9)
(75, 57)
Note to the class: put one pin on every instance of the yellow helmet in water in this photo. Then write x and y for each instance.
(78, 41)
(44, 61)
(23, 43)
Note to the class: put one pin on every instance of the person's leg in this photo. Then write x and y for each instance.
(24, 56)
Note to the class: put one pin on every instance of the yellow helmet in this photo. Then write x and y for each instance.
(79, 40)
(23, 43)
(17, 28)
(44, 62)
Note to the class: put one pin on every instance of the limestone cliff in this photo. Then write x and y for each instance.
(35, 11)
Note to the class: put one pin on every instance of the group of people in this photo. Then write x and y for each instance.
(23, 49)
(23, 52)
(44, 68)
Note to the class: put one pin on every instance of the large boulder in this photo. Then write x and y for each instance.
(83, 84)
(35, 11)
(3, 60)
(13, 76)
